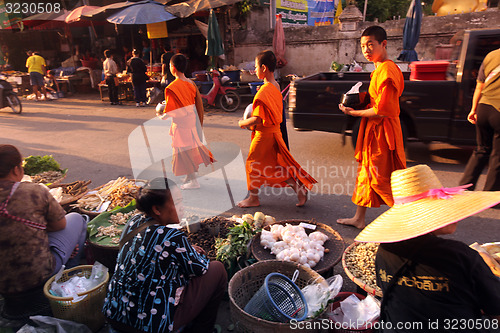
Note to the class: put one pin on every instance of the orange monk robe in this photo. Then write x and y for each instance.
(379, 148)
(188, 151)
(269, 162)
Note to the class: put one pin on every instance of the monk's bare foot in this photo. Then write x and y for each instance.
(251, 201)
(302, 196)
(192, 185)
(353, 221)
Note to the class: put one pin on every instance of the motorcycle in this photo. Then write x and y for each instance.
(9, 97)
(226, 97)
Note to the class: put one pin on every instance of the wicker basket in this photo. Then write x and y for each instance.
(362, 284)
(248, 281)
(334, 244)
(88, 310)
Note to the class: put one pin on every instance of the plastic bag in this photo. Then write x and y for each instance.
(49, 325)
(317, 295)
(356, 313)
(78, 284)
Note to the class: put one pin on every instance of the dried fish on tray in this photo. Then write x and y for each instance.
(106, 228)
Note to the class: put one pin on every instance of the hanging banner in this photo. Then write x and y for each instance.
(306, 12)
(157, 30)
(293, 12)
(10, 15)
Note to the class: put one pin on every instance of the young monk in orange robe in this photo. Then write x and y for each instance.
(379, 148)
(269, 162)
(183, 103)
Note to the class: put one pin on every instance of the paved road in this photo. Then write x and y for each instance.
(90, 138)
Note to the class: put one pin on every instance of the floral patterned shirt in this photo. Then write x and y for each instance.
(151, 271)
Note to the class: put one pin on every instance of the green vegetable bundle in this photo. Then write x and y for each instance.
(236, 244)
(34, 165)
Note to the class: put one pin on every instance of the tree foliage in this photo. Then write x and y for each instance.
(384, 10)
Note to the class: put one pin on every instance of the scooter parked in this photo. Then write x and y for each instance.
(226, 97)
(9, 97)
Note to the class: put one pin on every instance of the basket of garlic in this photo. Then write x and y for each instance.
(312, 244)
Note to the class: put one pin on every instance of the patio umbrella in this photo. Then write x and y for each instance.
(144, 12)
(279, 42)
(76, 14)
(47, 20)
(214, 40)
(411, 31)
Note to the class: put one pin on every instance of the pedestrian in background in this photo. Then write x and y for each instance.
(379, 148)
(137, 68)
(110, 70)
(485, 114)
(36, 68)
(167, 76)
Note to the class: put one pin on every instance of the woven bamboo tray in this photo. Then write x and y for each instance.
(335, 245)
(246, 282)
(358, 280)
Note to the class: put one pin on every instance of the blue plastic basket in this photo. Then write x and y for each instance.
(279, 299)
(254, 86)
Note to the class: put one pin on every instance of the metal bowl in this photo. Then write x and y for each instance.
(350, 100)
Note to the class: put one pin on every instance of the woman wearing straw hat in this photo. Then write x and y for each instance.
(431, 283)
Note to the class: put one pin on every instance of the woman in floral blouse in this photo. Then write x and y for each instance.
(161, 282)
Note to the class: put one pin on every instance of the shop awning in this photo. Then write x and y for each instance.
(188, 8)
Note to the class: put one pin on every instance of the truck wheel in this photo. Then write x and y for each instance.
(355, 131)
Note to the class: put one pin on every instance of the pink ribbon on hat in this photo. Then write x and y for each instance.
(435, 193)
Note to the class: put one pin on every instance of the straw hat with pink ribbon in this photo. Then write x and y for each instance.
(423, 205)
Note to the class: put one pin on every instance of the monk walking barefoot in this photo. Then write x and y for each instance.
(269, 162)
(379, 148)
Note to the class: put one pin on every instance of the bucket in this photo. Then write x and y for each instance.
(234, 76)
(279, 299)
(254, 86)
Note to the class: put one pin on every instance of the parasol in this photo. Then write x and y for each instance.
(411, 32)
(214, 40)
(279, 42)
(143, 12)
(76, 14)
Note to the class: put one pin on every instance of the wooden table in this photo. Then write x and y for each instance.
(126, 89)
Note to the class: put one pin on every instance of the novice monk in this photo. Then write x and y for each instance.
(269, 162)
(379, 148)
(183, 103)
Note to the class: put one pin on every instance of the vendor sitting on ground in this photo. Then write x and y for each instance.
(428, 280)
(37, 237)
(51, 84)
(161, 282)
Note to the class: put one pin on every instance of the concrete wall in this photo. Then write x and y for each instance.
(312, 49)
